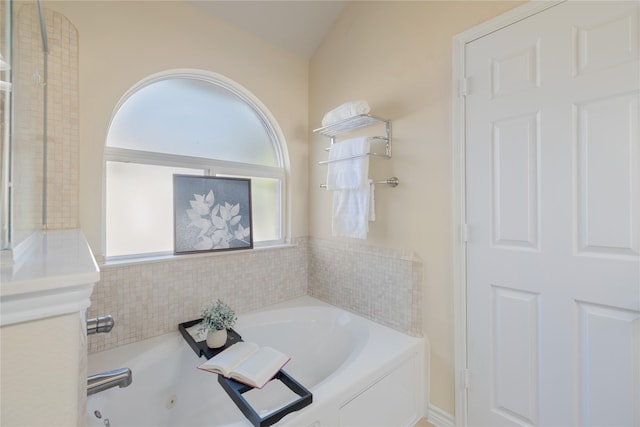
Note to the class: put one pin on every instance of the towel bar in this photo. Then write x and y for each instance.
(324, 162)
(392, 182)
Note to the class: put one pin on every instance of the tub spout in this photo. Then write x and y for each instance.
(106, 380)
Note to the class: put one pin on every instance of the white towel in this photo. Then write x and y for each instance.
(348, 179)
(345, 111)
(350, 213)
(372, 201)
(348, 167)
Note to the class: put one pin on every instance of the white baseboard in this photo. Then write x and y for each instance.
(440, 418)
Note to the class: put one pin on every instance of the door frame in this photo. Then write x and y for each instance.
(460, 233)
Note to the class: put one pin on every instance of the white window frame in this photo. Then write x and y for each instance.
(211, 167)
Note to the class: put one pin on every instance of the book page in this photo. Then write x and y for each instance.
(226, 360)
(260, 367)
(196, 333)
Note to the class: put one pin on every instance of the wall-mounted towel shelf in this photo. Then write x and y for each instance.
(351, 124)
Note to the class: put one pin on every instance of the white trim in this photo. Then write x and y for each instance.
(54, 276)
(124, 260)
(459, 254)
(114, 154)
(440, 418)
(459, 218)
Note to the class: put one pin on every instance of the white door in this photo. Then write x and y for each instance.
(553, 209)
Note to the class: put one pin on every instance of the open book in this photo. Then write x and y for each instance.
(247, 362)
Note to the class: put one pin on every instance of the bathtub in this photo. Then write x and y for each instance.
(360, 373)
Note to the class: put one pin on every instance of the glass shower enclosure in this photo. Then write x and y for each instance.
(23, 116)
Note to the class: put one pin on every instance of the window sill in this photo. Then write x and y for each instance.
(169, 257)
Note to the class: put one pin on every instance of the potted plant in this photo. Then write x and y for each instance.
(216, 319)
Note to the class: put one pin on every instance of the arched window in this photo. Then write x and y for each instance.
(194, 123)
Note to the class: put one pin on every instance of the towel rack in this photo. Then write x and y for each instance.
(356, 122)
(351, 124)
(391, 182)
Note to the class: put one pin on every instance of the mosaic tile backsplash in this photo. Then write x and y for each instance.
(63, 128)
(149, 299)
(378, 283)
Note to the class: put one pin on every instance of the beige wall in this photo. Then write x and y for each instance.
(394, 54)
(397, 56)
(122, 42)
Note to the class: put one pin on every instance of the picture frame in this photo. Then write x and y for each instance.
(211, 213)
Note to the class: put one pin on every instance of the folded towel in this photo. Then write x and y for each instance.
(348, 166)
(345, 111)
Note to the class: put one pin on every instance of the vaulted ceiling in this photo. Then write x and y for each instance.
(298, 26)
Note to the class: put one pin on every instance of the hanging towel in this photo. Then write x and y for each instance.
(347, 177)
(345, 111)
(372, 201)
(350, 214)
(348, 167)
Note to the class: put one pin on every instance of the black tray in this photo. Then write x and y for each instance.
(200, 347)
(235, 389)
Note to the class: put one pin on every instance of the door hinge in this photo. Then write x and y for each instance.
(464, 233)
(466, 378)
(464, 86)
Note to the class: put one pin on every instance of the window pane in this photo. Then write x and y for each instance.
(140, 207)
(192, 117)
(265, 201)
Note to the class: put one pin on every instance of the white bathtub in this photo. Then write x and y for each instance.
(360, 374)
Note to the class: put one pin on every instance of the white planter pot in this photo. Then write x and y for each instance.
(216, 339)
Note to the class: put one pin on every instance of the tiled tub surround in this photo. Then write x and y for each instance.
(151, 298)
(63, 128)
(378, 283)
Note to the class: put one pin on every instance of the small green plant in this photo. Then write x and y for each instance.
(218, 316)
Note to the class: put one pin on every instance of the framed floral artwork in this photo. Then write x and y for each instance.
(211, 213)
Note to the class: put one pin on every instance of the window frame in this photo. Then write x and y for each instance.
(211, 167)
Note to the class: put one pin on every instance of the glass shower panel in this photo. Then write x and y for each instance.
(24, 129)
(5, 119)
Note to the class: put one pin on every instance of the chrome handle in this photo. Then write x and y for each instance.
(99, 325)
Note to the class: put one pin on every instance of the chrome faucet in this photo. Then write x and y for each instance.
(106, 380)
(100, 324)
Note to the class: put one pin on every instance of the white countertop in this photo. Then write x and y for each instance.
(54, 275)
